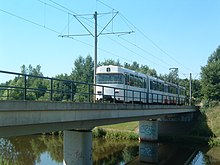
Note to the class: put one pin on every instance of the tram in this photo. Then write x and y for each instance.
(118, 84)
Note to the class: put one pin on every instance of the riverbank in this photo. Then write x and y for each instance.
(205, 130)
(129, 131)
(213, 122)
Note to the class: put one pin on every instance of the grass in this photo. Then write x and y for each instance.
(206, 127)
(213, 121)
(213, 116)
(123, 131)
(129, 126)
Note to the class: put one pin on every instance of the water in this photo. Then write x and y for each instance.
(48, 150)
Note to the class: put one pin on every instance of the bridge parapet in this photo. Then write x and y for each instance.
(54, 89)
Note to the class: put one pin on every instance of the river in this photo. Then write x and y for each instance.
(48, 150)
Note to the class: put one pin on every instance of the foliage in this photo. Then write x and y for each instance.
(32, 83)
(214, 142)
(83, 72)
(201, 128)
(172, 77)
(142, 69)
(110, 62)
(99, 133)
(129, 126)
(121, 135)
(210, 77)
(214, 120)
(63, 89)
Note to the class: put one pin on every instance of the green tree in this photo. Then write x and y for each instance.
(83, 71)
(110, 62)
(134, 66)
(173, 76)
(210, 77)
(63, 88)
(36, 87)
(142, 69)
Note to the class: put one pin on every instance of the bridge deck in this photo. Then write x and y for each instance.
(29, 117)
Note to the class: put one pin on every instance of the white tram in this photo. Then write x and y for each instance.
(118, 84)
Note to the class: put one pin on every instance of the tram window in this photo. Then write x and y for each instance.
(132, 80)
(182, 91)
(141, 82)
(166, 88)
(127, 79)
(161, 86)
(110, 79)
(151, 85)
(173, 89)
(155, 85)
(146, 83)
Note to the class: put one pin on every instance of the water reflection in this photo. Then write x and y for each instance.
(40, 150)
(114, 152)
(29, 149)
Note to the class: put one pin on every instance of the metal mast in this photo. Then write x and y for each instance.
(95, 35)
(96, 42)
(190, 89)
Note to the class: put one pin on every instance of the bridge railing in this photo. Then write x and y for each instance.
(35, 87)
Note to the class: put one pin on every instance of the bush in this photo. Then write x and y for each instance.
(214, 142)
(99, 133)
(210, 103)
(118, 135)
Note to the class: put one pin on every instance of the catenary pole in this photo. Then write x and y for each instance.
(95, 35)
(190, 89)
(95, 49)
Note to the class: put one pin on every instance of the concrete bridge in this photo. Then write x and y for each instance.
(20, 116)
(78, 119)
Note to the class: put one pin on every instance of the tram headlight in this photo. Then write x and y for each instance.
(117, 90)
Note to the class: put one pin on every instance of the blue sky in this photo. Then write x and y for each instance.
(168, 33)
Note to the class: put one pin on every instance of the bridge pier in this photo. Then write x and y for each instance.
(148, 152)
(148, 130)
(77, 147)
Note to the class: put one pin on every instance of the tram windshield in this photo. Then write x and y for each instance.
(113, 78)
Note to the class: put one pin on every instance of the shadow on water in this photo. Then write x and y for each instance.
(200, 126)
(40, 150)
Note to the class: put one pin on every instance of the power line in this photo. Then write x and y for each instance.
(29, 21)
(135, 52)
(42, 26)
(78, 15)
(70, 12)
(156, 45)
(149, 39)
(145, 51)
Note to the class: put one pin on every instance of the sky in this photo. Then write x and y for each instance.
(164, 34)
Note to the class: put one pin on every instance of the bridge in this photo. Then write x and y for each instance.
(65, 106)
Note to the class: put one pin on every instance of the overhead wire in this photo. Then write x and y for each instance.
(145, 36)
(66, 10)
(157, 46)
(75, 14)
(29, 21)
(132, 51)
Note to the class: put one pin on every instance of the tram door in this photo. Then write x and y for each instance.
(126, 87)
